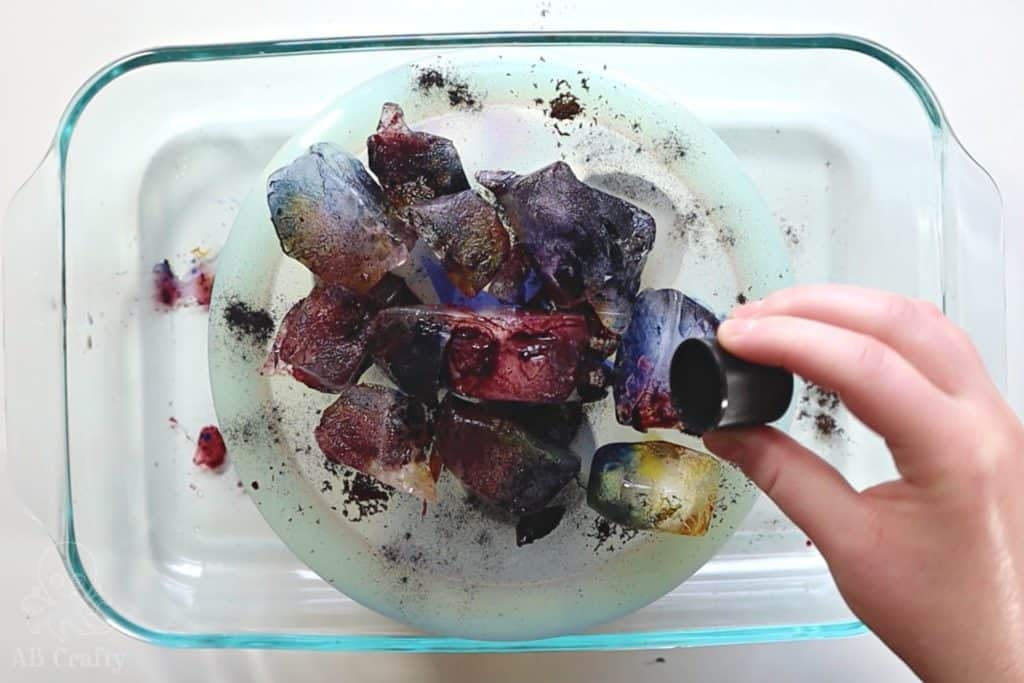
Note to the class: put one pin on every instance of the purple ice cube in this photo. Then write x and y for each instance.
(661, 320)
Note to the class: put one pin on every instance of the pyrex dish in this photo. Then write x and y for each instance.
(845, 142)
(449, 569)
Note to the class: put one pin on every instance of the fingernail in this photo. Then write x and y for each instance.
(732, 329)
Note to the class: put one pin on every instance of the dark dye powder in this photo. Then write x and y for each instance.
(565, 107)
(826, 424)
(366, 494)
(819, 405)
(249, 322)
(458, 91)
(604, 532)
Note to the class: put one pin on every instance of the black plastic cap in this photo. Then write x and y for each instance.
(712, 388)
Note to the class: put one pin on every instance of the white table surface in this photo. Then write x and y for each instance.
(969, 52)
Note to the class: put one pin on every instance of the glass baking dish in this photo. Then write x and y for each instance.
(152, 159)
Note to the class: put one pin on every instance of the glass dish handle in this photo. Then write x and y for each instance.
(33, 338)
(975, 283)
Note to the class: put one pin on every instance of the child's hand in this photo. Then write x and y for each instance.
(932, 562)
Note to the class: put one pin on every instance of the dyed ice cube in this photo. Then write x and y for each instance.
(322, 341)
(427, 278)
(588, 245)
(392, 291)
(465, 233)
(383, 434)
(330, 216)
(408, 344)
(517, 281)
(555, 424)
(513, 355)
(654, 485)
(499, 459)
(594, 376)
(537, 525)
(412, 166)
(498, 355)
(662, 319)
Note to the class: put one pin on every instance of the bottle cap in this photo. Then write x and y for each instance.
(712, 388)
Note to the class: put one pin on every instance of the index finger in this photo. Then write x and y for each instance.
(915, 329)
(877, 384)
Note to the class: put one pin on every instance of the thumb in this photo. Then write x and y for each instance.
(808, 490)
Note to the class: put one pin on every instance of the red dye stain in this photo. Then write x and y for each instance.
(210, 448)
(202, 283)
(171, 291)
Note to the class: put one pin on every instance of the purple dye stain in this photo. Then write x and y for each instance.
(195, 288)
(167, 289)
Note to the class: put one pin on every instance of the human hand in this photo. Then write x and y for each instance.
(932, 562)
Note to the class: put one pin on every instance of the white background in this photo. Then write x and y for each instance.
(969, 52)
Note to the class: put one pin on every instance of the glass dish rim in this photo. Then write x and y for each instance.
(427, 643)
